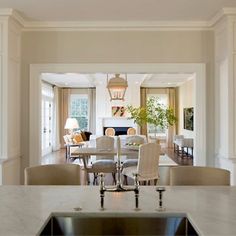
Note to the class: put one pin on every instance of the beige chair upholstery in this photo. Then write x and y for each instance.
(138, 139)
(104, 164)
(110, 132)
(54, 174)
(148, 161)
(133, 161)
(131, 131)
(196, 175)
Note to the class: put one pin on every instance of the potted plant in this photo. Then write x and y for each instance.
(155, 113)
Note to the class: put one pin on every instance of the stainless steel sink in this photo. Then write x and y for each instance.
(119, 225)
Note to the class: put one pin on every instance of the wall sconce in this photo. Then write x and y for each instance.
(117, 87)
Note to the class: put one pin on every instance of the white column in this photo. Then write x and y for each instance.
(3, 88)
(10, 35)
(225, 98)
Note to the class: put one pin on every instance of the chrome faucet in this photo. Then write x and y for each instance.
(119, 187)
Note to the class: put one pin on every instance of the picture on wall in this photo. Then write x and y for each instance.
(118, 111)
(188, 118)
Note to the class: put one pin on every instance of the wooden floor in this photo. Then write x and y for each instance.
(183, 161)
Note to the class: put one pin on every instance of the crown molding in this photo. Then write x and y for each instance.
(17, 16)
(220, 14)
(116, 25)
(6, 11)
(9, 12)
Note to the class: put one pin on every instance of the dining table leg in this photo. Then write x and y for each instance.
(85, 162)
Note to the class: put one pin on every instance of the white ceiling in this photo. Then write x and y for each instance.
(74, 80)
(117, 10)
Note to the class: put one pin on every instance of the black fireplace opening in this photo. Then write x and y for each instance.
(118, 130)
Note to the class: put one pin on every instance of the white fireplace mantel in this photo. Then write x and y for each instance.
(117, 122)
(114, 122)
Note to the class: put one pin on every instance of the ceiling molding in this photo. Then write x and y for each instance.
(116, 25)
(17, 16)
(6, 11)
(9, 12)
(220, 14)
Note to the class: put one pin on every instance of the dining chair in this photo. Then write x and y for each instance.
(132, 161)
(198, 175)
(131, 131)
(110, 132)
(147, 167)
(54, 174)
(104, 164)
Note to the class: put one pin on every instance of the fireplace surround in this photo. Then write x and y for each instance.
(120, 124)
(118, 130)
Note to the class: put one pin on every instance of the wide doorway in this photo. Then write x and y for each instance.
(198, 71)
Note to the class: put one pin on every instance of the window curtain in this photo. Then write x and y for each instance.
(56, 125)
(64, 102)
(172, 129)
(92, 110)
(143, 98)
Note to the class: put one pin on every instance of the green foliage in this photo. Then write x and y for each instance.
(138, 114)
(155, 113)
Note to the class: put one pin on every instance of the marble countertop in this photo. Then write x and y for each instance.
(25, 209)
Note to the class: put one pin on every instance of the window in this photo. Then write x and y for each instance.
(79, 109)
(151, 129)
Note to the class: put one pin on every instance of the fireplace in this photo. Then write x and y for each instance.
(120, 124)
(118, 130)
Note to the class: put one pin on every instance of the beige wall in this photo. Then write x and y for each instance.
(120, 47)
(11, 171)
(113, 47)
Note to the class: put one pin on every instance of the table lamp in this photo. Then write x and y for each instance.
(71, 124)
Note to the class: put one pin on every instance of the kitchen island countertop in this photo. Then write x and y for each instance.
(24, 210)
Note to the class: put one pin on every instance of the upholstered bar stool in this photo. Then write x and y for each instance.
(54, 174)
(197, 175)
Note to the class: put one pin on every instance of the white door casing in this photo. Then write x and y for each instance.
(199, 97)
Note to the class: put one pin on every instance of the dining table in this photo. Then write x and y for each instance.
(85, 152)
(89, 150)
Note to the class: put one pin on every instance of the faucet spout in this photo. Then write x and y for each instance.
(119, 187)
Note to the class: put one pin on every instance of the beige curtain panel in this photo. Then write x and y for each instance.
(64, 102)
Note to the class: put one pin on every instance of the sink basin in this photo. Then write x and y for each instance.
(118, 225)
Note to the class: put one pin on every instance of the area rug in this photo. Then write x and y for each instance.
(166, 161)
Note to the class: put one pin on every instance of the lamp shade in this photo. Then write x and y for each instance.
(71, 123)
